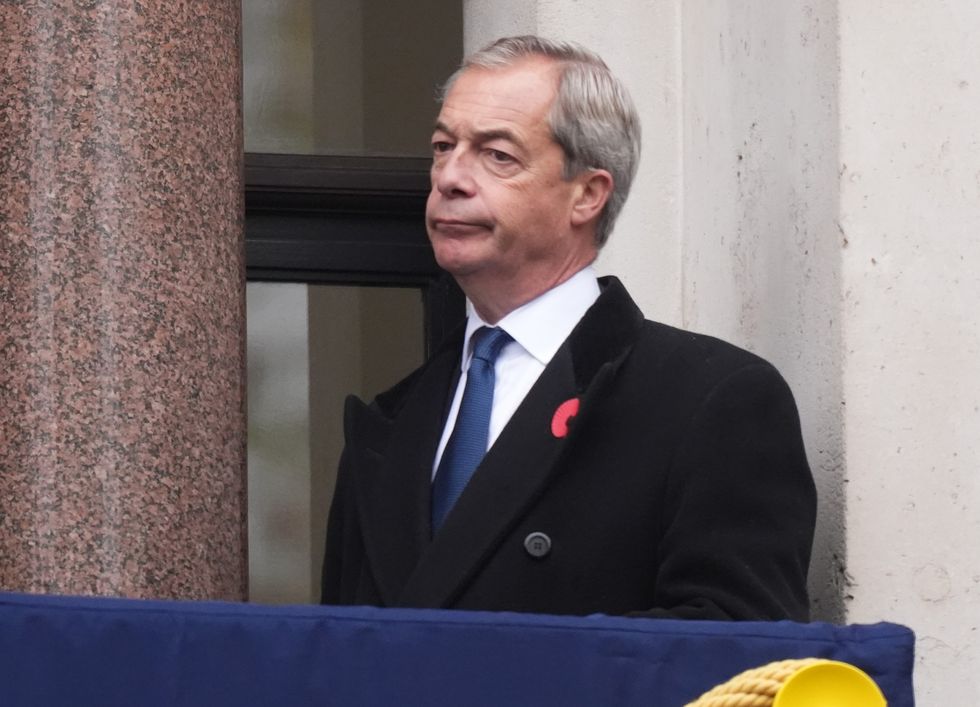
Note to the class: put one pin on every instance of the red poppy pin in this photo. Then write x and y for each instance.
(565, 412)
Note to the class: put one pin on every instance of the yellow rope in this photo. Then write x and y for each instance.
(753, 688)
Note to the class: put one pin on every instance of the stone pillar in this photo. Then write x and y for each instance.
(910, 245)
(121, 299)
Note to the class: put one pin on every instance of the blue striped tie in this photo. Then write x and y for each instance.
(468, 442)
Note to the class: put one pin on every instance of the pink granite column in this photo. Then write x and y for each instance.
(121, 299)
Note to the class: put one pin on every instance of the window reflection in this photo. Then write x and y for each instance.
(345, 76)
(309, 346)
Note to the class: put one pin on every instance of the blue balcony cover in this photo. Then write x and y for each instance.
(58, 651)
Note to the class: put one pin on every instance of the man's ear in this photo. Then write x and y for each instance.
(594, 189)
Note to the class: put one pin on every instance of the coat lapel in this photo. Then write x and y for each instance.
(526, 456)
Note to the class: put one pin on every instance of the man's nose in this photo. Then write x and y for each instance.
(453, 174)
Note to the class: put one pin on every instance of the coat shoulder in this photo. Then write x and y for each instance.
(616, 323)
(688, 353)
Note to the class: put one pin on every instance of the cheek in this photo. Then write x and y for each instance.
(430, 202)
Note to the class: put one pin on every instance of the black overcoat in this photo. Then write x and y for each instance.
(680, 489)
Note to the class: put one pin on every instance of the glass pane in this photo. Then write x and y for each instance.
(309, 346)
(346, 76)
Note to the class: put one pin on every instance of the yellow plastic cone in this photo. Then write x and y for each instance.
(829, 683)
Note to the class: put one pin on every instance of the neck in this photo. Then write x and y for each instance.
(497, 300)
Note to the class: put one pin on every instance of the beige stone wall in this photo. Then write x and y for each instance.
(910, 214)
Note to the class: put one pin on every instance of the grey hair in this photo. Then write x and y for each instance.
(593, 118)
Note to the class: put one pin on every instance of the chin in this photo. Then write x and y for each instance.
(456, 258)
(457, 267)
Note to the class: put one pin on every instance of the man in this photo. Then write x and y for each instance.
(629, 468)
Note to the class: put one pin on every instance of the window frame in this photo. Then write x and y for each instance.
(346, 220)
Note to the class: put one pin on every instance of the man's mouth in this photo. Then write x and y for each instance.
(457, 226)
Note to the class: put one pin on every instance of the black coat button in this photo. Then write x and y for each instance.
(537, 545)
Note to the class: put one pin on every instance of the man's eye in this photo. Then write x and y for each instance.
(501, 157)
(440, 146)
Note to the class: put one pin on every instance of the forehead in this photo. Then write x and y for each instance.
(517, 96)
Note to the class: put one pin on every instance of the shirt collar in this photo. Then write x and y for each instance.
(541, 325)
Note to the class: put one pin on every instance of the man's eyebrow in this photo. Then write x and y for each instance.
(484, 135)
(499, 134)
(442, 127)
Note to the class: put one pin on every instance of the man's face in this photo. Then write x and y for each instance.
(500, 215)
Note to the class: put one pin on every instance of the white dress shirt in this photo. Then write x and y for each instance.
(538, 328)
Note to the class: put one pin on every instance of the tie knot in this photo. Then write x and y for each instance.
(488, 342)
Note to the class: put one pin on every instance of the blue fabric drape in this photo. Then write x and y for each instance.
(107, 652)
